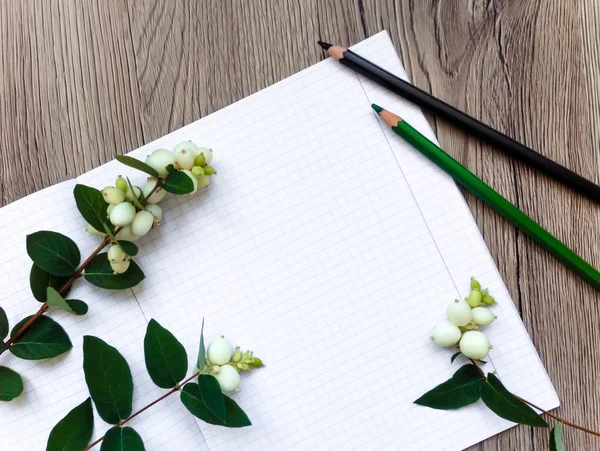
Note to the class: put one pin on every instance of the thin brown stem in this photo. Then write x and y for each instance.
(74, 277)
(557, 418)
(132, 416)
(545, 412)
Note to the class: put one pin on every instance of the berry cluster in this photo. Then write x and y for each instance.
(225, 363)
(465, 318)
(135, 210)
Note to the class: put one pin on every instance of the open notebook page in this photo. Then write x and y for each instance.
(327, 245)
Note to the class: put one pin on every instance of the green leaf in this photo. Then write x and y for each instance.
(44, 339)
(77, 307)
(454, 356)
(74, 306)
(136, 202)
(178, 183)
(108, 378)
(166, 359)
(137, 164)
(129, 248)
(122, 439)
(170, 168)
(53, 252)
(192, 400)
(40, 280)
(508, 406)
(202, 351)
(460, 390)
(92, 206)
(4, 327)
(74, 431)
(212, 396)
(99, 273)
(556, 441)
(11, 384)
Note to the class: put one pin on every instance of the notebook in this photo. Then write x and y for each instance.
(326, 245)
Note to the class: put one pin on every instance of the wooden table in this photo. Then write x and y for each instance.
(83, 80)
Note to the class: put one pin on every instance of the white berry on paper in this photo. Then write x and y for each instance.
(482, 316)
(228, 377)
(142, 223)
(219, 351)
(159, 160)
(474, 345)
(459, 313)
(122, 214)
(446, 334)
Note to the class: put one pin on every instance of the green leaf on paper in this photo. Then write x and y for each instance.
(460, 390)
(454, 356)
(122, 439)
(137, 164)
(556, 441)
(170, 168)
(77, 307)
(57, 301)
(212, 396)
(129, 248)
(166, 359)
(44, 339)
(11, 384)
(504, 404)
(202, 349)
(191, 398)
(74, 431)
(178, 183)
(4, 327)
(108, 378)
(92, 206)
(53, 252)
(40, 280)
(100, 273)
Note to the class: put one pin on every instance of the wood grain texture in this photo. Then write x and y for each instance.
(81, 81)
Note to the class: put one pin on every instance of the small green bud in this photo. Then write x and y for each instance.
(200, 160)
(474, 298)
(487, 299)
(256, 363)
(245, 367)
(475, 285)
(237, 355)
(121, 184)
(247, 356)
(239, 365)
(209, 170)
(197, 171)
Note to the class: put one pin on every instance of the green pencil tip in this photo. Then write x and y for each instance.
(377, 108)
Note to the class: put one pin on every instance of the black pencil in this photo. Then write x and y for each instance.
(462, 120)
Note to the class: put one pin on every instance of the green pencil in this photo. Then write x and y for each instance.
(481, 190)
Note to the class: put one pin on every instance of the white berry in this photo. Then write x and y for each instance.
(126, 234)
(483, 316)
(203, 181)
(187, 145)
(156, 196)
(474, 345)
(142, 223)
(157, 212)
(121, 267)
(122, 214)
(113, 195)
(130, 195)
(208, 154)
(228, 377)
(116, 254)
(459, 313)
(192, 178)
(219, 351)
(159, 160)
(109, 209)
(446, 334)
(93, 231)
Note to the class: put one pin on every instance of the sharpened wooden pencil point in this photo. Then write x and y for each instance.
(324, 45)
(377, 108)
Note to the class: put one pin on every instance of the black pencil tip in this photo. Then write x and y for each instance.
(377, 108)
(324, 45)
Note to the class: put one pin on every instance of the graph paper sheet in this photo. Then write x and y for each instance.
(325, 244)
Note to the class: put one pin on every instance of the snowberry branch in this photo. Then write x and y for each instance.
(44, 308)
(156, 401)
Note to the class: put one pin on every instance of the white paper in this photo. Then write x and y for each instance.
(325, 244)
